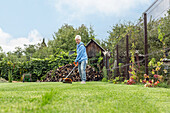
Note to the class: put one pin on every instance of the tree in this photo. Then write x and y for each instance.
(117, 36)
(155, 45)
(18, 52)
(64, 37)
(30, 49)
(85, 33)
(2, 54)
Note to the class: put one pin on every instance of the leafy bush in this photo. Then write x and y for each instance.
(104, 80)
(37, 67)
(10, 76)
(104, 74)
(164, 84)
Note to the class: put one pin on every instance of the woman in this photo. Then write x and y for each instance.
(81, 58)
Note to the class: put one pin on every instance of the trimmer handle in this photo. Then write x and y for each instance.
(76, 64)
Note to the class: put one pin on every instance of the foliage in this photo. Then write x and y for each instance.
(118, 80)
(132, 80)
(163, 84)
(158, 31)
(120, 68)
(104, 72)
(2, 54)
(64, 37)
(104, 80)
(96, 61)
(157, 65)
(40, 58)
(37, 67)
(154, 82)
(10, 78)
(133, 68)
(158, 38)
(105, 77)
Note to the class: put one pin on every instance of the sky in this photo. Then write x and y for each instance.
(29, 21)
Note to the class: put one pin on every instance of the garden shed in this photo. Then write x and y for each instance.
(93, 49)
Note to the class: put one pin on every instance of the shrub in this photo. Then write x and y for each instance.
(104, 80)
(104, 72)
(104, 75)
(164, 84)
(10, 76)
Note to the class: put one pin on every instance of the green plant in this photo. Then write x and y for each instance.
(110, 81)
(96, 61)
(125, 81)
(104, 80)
(105, 73)
(117, 78)
(10, 76)
(157, 65)
(35, 66)
(133, 74)
(122, 83)
(164, 85)
(120, 68)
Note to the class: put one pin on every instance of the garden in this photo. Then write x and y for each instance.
(125, 87)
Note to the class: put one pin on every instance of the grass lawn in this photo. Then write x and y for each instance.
(93, 97)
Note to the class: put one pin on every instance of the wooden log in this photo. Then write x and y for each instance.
(63, 71)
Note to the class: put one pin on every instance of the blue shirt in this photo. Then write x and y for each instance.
(81, 53)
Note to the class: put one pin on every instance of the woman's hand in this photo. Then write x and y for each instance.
(76, 63)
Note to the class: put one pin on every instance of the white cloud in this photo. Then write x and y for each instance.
(4, 36)
(80, 8)
(34, 36)
(8, 43)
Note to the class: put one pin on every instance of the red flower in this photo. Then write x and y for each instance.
(144, 81)
(130, 83)
(155, 83)
(156, 76)
(150, 81)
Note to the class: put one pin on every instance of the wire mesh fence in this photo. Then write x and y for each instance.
(158, 9)
(136, 41)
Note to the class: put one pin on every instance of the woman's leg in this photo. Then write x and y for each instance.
(79, 69)
(83, 70)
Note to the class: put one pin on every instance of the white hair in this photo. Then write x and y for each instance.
(78, 37)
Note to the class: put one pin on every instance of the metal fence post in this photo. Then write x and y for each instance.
(127, 56)
(146, 43)
(117, 53)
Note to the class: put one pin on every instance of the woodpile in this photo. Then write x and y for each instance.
(60, 73)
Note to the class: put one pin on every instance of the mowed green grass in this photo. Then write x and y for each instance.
(93, 97)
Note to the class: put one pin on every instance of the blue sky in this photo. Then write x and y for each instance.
(28, 21)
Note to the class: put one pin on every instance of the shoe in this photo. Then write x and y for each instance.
(83, 82)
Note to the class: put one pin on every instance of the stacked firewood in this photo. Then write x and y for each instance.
(58, 74)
